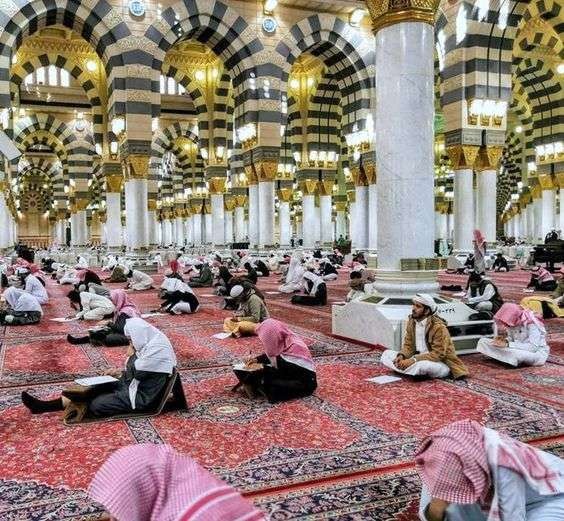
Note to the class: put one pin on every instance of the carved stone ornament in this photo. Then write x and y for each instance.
(285, 195)
(489, 158)
(217, 185)
(326, 186)
(151, 205)
(308, 186)
(251, 174)
(241, 200)
(267, 170)
(114, 183)
(390, 12)
(546, 182)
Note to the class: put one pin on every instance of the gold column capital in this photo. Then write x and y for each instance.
(137, 166)
(358, 176)
(463, 156)
(251, 174)
(390, 12)
(546, 181)
(559, 178)
(229, 204)
(152, 205)
(326, 186)
(79, 205)
(370, 172)
(489, 158)
(114, 183)
(285, 195)
(266, 169)
(536, 191)
(241, 200)
(217, 185)
(308, 186)
(341, 206)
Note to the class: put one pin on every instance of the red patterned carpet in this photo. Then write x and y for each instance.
(344, 453)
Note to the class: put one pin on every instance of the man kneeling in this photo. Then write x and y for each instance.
(427, 348)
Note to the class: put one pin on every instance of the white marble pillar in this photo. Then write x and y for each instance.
(326, 219)
(404, 117)
(5, 224)
(308, 219)
(254, 215)
(284, 223)
(548, 211)
(537, 208)
(372, 217)
(208, 226)
(79, 230)
(361, 218)
(240, 229)
(113, 220)
(137, 217)
(189, 228)
(463, 209)
(352, 223)
(530, 222)
(317, 223)
(62, 236)
(217, 220)
(266, 213)
(179, 233)
(197, 227)
(228, 229)
(443, 226)
(167, 232)
(487, 190)
(561, 214)
(153, 225)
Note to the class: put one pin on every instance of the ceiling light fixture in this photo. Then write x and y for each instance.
(356, 17)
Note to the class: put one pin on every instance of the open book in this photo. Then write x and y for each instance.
(96, 380)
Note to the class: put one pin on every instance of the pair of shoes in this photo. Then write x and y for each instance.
(76, 340)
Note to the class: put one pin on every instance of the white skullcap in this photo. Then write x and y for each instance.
(22, 270)
(236, 291)
(426, 300)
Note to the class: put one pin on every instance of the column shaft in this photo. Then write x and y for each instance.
(548, 209)
(217, 220)
(113, 220)
(208, 228)
(372, 217)
(197, 223)
(463, 209)
(308, 217)
(361, 218)
(228, 227)
(254, 215)
(284, 223)
(266, 213)
(136, 214)
(487, 190)
(326, 219)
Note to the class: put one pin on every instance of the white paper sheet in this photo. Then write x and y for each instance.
(63, 319)
(147, 315)
(208, 295)
(96, 380)
(528, 290)
(222, 336)
(384, 379)
(239, 366)
(340, 303)
(272, 292)
(459, 294)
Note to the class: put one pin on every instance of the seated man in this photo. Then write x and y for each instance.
(204, 279)
(139, 281)
(252, 310)
(23, 309)
(81, 263)
(524, 340)
(356, 284)
(500, 263)
(327, 270)
(484, 295)
(315, 291)
(32, 285)
(472, 473)
(542, 279)
(427, 348)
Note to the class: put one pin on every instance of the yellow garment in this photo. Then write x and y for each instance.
(239, 329)
(534, 304)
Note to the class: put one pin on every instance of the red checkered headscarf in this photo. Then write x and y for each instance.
(150, 482)
(453, 465)
(278, 339)
(513, 315)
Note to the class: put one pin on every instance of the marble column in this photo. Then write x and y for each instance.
(463, 209)
(361, 218)
(228, 228)
(62, 235)
(537, 209)
(341, 225)
(561, 214)
(179, 226)
(189, 230)
(217, 220)
(167, 232)
(266, 213)
(352, 221)
(137, 217)
(113, 220)
(197, 227)
(404, 116)
(530, 222)
(308, 219)
(153, 225)
(548, 211)
(372, 217)
(208, 225)
(443, 225)
(254, 215)
(487, 190)
(284, 223)
(240, 229)
(5, 223)
(326, 219)
(79, 229)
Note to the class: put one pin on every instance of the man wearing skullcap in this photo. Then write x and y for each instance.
(427, 347)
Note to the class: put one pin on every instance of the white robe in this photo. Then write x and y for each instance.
(94, 307)
(140, 281)
(527, 346)
(35, 288)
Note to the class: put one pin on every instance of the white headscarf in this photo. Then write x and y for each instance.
(19, 300)
(295, 260)
(426, 300)
(178, 285)
(153, 348)
(315, 279)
